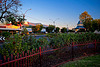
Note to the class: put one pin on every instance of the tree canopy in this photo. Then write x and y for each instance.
(8, 7)
(63, 30)
(85, 16)
(89, 23)
(57, 29)
(50, 28)
(37, 28)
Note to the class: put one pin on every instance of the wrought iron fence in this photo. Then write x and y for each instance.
(49, 57)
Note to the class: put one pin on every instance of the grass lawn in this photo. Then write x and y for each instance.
(92, 61)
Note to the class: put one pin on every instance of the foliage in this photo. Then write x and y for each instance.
(59, 40)
(51, 35)
(20, 19)
(89, 23)
(57, 29)
(5, 34)
(92, 25)
(14, 20)
(81, 30)
(63, 30)
(50, 28)
(71, 31)
(17, 44)
(85, 16)
(12, 45)
(37, 28)
(8, 7)
(24, 31)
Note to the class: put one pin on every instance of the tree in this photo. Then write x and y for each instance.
(8, 7)
(63, 30)
(15, 20)
(21, 19)
(94, 25)
(24, 31)
(86, 19)
(85, 16)
(11, 19)
(57, 29)
(50, 28)
(98, 24)
(37, 28)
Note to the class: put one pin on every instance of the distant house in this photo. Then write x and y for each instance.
(44, 28)
(15, 29)
(30, 24)
(79, 26)
(10, 28)
(29, 30)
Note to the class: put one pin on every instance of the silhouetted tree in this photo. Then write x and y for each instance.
(37, 28)
(8, 7)
(57, 29)
(63, 30)
(50, 28)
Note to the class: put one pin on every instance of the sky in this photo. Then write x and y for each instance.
(63, 12)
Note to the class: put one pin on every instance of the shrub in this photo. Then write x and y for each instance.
(5, 34)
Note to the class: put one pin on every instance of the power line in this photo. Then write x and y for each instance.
(36, 19)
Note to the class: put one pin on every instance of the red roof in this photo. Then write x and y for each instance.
(9, 24)
(2, 26)
(31, 24)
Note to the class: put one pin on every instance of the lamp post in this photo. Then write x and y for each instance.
(25, 13)
(67, 28)
(24, 16)
(54, 22)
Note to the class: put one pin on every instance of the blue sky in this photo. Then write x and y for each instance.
(67, 11)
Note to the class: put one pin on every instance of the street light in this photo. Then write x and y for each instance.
(54, 22)
(67, 28)
(25, 13)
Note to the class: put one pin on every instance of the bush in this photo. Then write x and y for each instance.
(63, 30)
(5, 34)
(17, 44)
(66, 39)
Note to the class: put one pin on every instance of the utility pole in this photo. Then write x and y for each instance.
(54, 22)
(24, 15)
(67, 28)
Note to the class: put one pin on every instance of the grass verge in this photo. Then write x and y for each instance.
(92, 61)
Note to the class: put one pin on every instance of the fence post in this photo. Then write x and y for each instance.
(0, 63)
(95, 46)
(4, 60)
(12, 59)
(72, 51)
(23, 59)
(15, 61)
(28, 58)
(40, 55)
(17, 58)
(8, 61)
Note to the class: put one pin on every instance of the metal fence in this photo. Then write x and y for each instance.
(47, 57)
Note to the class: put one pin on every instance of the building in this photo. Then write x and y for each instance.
(79, 26)
(30, 24)
(15, 29)
(11, 28)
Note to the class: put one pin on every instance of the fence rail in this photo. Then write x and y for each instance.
(53, 57)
